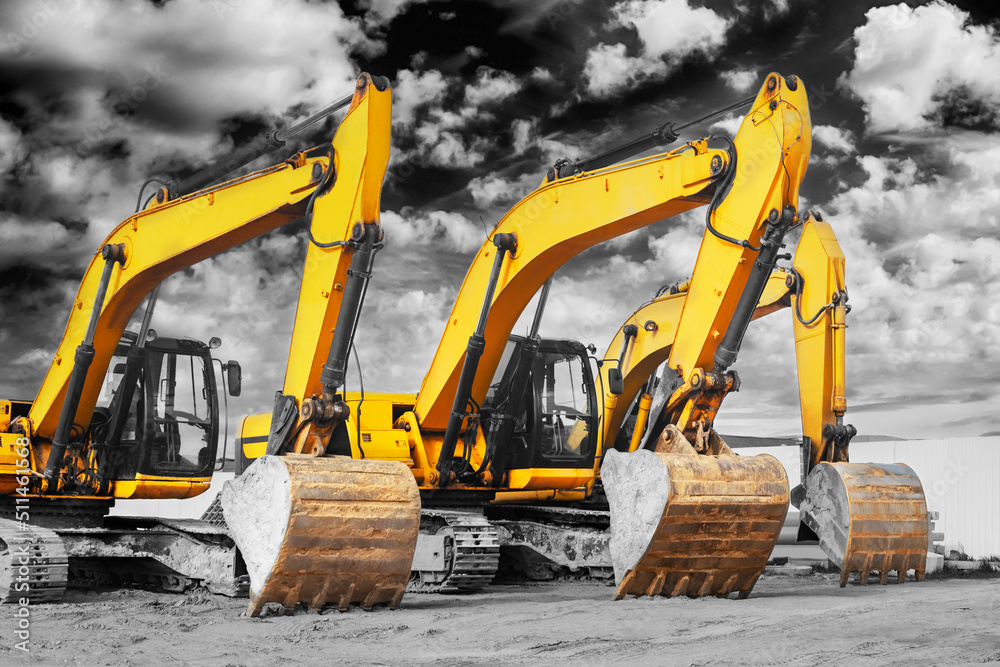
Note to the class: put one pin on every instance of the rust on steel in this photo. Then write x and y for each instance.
(351, 530)
(720, 521)
(870, 518)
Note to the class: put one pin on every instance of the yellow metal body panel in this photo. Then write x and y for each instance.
(5, 409)
(529, 497)
(643, 356)
(380, 439)
(15, 463)
(253, 435)
(772, 147)
(160, 488)
(820, 262)
(530, 479)
(361, 153)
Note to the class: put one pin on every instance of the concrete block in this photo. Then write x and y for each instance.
(951, 550)
(789, 570)
(935, 562)
(970, 564)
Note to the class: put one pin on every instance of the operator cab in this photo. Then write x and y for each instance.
(556, 421)
(172, 424)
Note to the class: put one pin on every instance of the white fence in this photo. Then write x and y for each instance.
(959, 475)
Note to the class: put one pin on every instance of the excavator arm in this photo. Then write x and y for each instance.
(644, 343)
(867, 517)
(752, 189)
(172, 234)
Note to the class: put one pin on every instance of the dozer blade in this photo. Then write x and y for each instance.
(869, 517)
(690, 524)
(324, 530)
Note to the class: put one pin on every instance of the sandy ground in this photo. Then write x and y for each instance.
(786, 621)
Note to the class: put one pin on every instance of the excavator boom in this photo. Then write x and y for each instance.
(76, 457)
(867, 517)
(710, 529)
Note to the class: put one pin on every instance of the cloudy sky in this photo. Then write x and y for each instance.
(97, 95)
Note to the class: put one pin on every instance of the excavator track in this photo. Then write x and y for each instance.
(869, 518)
(320, 530)
(692, 525)
(33, 563)
(457, 552)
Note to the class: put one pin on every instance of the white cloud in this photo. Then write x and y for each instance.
(609, 70)
(922, 269)
(834, 138)
(37, 243)
(12, 149)
(491, 86)
(729, 125)
(673, 28)
(912, 62)
(381, 12)
(669, 31)
(445, 230)
(776, 8)
(412, 90)
(541, 75)
(444, 134)
(740, 80)
(214, 59)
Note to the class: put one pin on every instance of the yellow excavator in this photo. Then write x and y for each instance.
(866, 517)
(66, 456)
(499, 421)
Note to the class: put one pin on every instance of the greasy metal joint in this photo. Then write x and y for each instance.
(792, 82)
(696, 380)
(506, 242)
(324, 410)
(650, 326)
(772, 83)
(114, 252)
(836, 439)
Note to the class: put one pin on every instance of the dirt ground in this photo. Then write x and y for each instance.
(786, 621)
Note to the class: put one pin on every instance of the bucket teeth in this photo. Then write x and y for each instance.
(324, 530)
(869, 518)
(692, 525)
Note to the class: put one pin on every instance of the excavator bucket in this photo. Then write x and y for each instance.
(869, 518)
(324, 530)
(691, 524)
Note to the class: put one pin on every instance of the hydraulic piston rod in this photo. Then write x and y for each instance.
(474, 350)
(112, 254)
